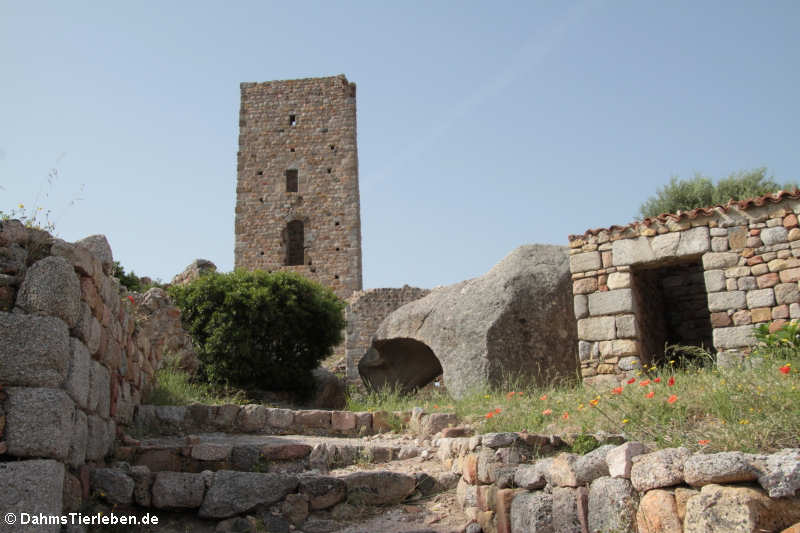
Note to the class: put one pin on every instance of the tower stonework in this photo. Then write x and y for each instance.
(297, 199)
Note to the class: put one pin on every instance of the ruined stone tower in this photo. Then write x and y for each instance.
(297, 200)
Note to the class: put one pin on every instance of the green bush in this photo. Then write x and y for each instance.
(700, 191)
(260, 330)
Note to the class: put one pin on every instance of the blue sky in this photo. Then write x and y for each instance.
(481, 125)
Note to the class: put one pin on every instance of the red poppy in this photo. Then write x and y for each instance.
(672, 399)
(632, 380)
(650, 394)
(671, 381)
(490, 414)
(644, 383)
(543, 397)
(497, 410)
(785, 369)
(617, 390)
(565, 416)
(131, 299)
(594, 402)
(657, 380)
(703, 442)
(435, 406)
(547, 412)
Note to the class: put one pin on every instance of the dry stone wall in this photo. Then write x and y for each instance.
(364, 313)
(297, 198)
(637, 286)
(73, 363)
(620, 487)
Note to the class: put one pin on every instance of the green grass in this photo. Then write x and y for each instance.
(174, 386)
(750, 408)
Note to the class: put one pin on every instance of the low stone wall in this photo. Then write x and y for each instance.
(620, 487)
(748, 253)
(73, 364)
(364, 313)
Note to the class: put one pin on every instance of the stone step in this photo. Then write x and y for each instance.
(261, 453)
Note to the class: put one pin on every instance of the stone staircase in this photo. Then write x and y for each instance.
(252, 468)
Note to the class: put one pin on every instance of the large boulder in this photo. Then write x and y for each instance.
(192, 272)
(516, 319)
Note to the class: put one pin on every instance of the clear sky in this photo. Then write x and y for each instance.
(482, 126)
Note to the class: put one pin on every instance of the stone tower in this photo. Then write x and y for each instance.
(297, 200)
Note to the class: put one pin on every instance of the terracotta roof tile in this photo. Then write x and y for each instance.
(694, 213)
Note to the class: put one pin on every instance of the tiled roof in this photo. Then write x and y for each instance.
(694, 213)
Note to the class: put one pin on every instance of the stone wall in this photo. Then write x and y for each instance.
(364, 313)
(624, 488)
(748, 253)
(297, 198)
(73, 363)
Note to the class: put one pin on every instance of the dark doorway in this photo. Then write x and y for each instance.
(672, 306)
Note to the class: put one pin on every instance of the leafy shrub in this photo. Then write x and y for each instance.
(700, 191)
(260, 330)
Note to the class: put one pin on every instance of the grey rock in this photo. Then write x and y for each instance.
(113, 485)
(276, 524)
(79, 439)
(499, 440)
(787, 293)
(280, 418)
(34, 350)
(237, 492)
(725, 467)
(733, 337)
(779, 473)
(760, 298)
(725, 301)
(99, 247)
(473, 527)
(776, 235)
(597, 328)
(611, 302)
(516, 318)
(571, 470)
(237, 524)
(198, 268)
(532, 512)
(719, 260)
(178, 490)
(99, 397)
(585, 262)
(620, 459)
(295, 509)
(322, 491)
(39, 422)
(77, 384)
(329, 390)
(100, 438)
(143, 483)
(567, 511)
(715, 280)
(378, 487)
(580, 305)
(466, 494)
(33, 487)
(626, 327)
(694, 241)
(665, 245)
(436, 422)
(533, 476)
(663, 468)
(738, 509)
(612, 505)
(251, 418)
(79, 257)
(51, 288)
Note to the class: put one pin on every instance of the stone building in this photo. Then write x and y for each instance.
(297, 199)
(702, 277)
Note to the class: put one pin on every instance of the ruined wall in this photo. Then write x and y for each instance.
(749, 253)
(297, 199)
(73, 363)
(364, 313)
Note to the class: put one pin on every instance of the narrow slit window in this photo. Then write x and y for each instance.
(293, 120)
(295, 242)
(291, 180)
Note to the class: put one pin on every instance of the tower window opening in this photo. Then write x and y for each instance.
(291, 150)
(291, 180)
(329, 171)
(292, 120)
(295, 242)
(333, 147)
